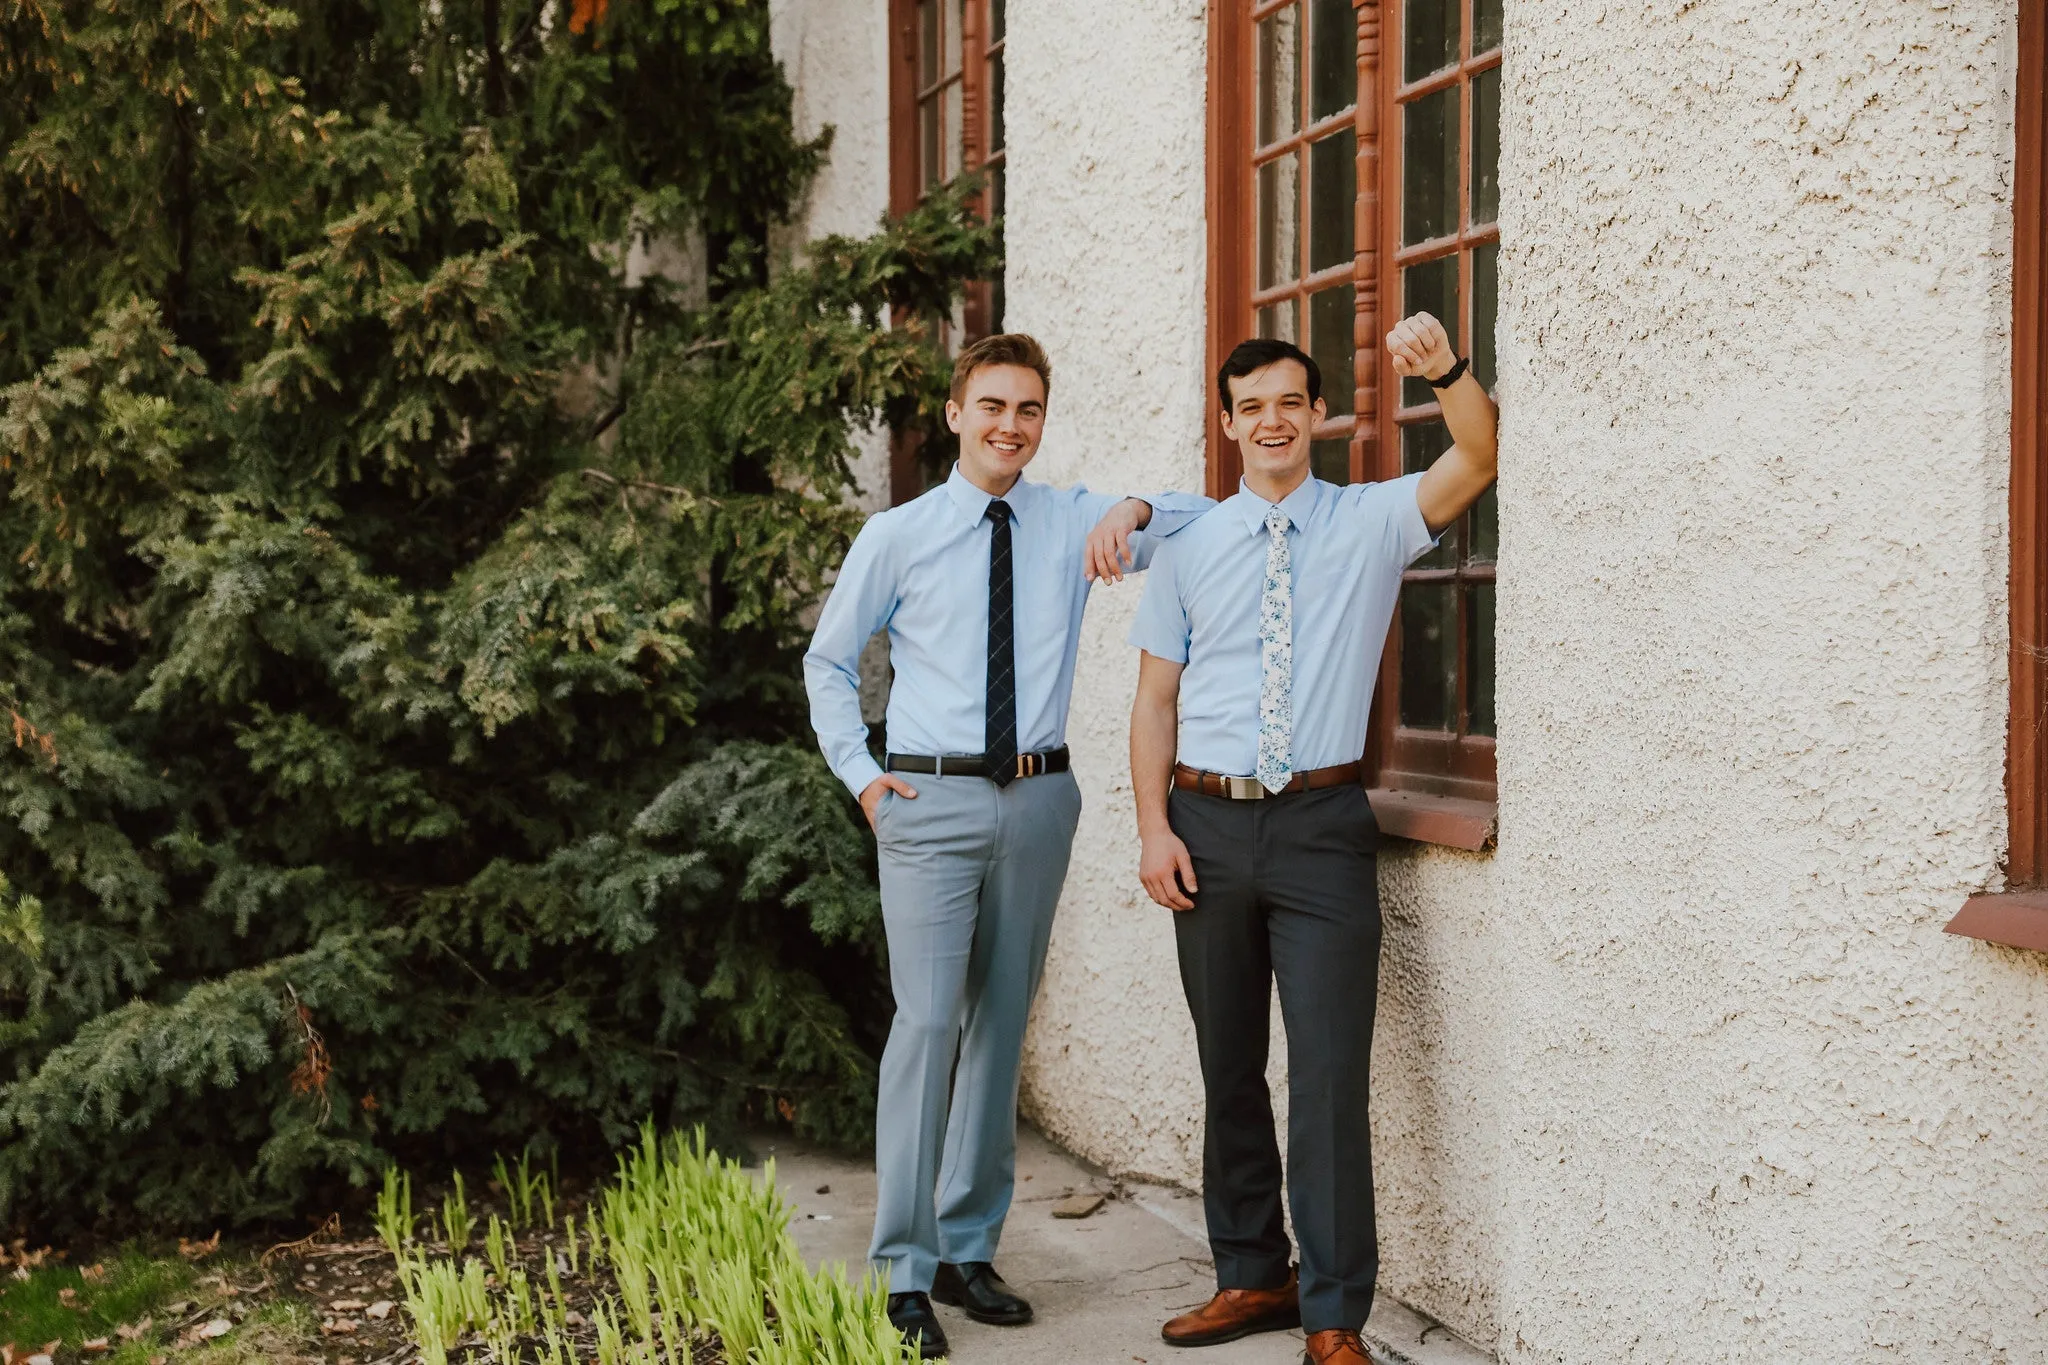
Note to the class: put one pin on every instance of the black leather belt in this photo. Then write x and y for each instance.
(974, 765)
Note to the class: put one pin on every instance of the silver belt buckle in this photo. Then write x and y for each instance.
(1243, 789)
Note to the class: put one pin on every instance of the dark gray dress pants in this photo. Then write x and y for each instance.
(1289, 893)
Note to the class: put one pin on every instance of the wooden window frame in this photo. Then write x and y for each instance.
(1454, 805)
(906, 161)
(2018, 916)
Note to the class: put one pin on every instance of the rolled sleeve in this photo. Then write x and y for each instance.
(862, 600)
(1161, 627)
(1170, 512)
(1393, 512)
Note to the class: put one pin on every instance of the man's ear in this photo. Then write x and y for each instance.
(952, 417)
(1320, 408)
(1229, 422)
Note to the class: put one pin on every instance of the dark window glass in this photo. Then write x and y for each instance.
(1332, 317)
(1479, 659)
(1486, 146)
(995, 21)
(1333, 75)
(1486, 26)
(1279, 221)
(995, 103)
(1432, 29)
(1429, 167)
(1279, 75)
(1332, 200)
(1429, 654)
(1330, 460)
(1485, 517)
(928, 42)
(1276, 321)
(1485, 310)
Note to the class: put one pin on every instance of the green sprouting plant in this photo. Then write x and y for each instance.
(523, 1187)
(394, 1211)
(456, 1221)
(495, 1246)
(569, 1241)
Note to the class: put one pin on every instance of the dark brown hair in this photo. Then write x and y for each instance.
(1252, 356)
(1004, 348)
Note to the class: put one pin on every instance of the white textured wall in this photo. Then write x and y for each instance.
(1685, 1071)
(835, 53)
(1756, 1106)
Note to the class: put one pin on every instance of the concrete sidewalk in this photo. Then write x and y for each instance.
(1101, 1285)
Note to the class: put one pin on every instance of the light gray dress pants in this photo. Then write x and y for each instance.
(970, 877)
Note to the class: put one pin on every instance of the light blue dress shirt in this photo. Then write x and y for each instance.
(1349, 545)
(921, 571)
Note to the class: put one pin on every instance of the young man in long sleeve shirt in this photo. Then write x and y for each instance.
(981, 584)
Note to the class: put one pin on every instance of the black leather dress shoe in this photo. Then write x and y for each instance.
(975, 1287)
(911, 1314)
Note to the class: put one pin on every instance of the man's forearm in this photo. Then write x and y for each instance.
(1154, 736)
(1473, 420)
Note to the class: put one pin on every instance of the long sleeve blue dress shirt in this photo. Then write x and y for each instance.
(921, 572)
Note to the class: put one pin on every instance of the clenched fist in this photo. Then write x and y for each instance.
(1421, 348)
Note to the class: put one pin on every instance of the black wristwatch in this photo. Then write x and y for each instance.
(1452, 375)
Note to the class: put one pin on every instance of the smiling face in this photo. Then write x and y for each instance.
(1271, 419)
(999, 418)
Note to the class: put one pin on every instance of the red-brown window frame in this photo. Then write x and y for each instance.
(906, 162)
(2019, 915)
(1455, 804)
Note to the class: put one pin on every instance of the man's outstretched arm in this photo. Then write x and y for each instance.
(1110, 553)
(1421, 349)
(1164, 865)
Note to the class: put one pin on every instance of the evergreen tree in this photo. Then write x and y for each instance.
(402, 589)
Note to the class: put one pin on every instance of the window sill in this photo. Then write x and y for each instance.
(1454, 822)
(2017, 919)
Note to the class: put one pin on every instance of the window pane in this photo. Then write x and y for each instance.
(950, 136)
(1432, 288)
(1332, 200)
(995, 103)
(1330, 460)
(1486, 526)
(1279, 221)
(1432, 29)
(1277, 322)
(1280, 75)
(995, 19)
(1485, 26)
(1429, 167)
(1479, 653)
(1486, 146)
(954, 11)
(996, 176)
(1429, 654)
(1333, 83)
(1485, 310)
(1332, 318)
(1421, 443)
(927, 42)
(928, 140)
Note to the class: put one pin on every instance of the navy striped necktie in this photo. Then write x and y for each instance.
(1000, 736)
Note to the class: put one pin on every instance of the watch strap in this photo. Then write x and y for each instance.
(1452, 375)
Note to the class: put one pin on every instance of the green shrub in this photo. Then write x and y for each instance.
(401, 598)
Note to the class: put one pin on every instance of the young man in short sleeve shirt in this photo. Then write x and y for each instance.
(1261, 627)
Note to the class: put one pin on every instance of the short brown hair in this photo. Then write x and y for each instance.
(1004, 348)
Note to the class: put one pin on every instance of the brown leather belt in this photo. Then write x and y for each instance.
(1248, 788)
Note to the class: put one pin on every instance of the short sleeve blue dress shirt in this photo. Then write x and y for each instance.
(920, 571)
(1349, 545)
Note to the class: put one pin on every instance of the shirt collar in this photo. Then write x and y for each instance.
(1297, 505)
(973, 502)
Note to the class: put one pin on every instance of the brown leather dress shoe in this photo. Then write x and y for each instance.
(1235, 1313)
(1336, 1347)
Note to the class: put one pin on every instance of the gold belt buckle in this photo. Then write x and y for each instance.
(1243, 788)
(1030, 765)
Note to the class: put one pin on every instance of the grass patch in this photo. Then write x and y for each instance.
(72, 1305)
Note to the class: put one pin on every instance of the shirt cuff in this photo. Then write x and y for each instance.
(1416, 539)
(860, 773)
(1158, 644)
(1172, 510)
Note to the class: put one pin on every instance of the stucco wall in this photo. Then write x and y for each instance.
(1752, 704)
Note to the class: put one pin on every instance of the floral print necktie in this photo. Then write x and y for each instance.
(1276, 659)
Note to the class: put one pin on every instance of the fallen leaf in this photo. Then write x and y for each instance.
(347, 1305)
(344, 1328)
(219, 1327)
(94, 1273)
(1077, 1206)
(41, 1358)
(95, 1346)
(199, 1251)
(380, 1310)
(180, 1308)
(159, 1360)
(130, 1331)
(7, 1351)
(574, 1318)
(68, 1297)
